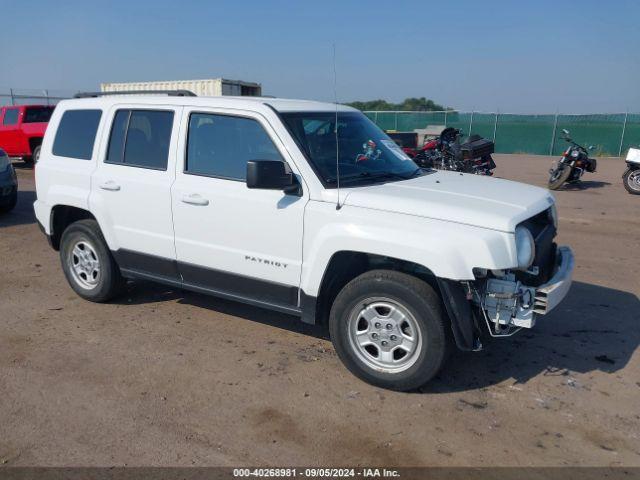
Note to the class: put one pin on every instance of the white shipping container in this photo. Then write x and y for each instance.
(213, 87)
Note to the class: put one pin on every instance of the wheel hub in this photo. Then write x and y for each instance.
(384, 335)
(84, 264)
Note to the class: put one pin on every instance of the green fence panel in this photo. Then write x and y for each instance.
(631, 133)
(602, 131)
(371, 115)
(610, 134)
(385, 120)
(524, 133)
(459, 120)
(483, 124)
(409, 121)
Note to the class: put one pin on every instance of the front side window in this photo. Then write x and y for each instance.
(10, 116)
(76, 134)
(221, 145)
(364, 152)
(141, 138)
(38, 114)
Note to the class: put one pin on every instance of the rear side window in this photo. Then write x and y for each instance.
(76, 134)
(38, 114)
(10, 116)
(140, 138)
(221, 145)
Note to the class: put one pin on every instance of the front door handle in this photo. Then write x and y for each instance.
(195, 199)
(110, 185)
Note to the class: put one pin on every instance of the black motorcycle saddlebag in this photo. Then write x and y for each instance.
(477, 148)
(592, 165)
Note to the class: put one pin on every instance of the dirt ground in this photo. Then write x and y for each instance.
(165, 377)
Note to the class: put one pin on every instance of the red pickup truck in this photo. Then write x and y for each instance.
(22, 128)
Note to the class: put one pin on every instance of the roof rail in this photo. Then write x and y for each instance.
(171, 93)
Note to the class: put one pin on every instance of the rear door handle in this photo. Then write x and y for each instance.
(195, 199)
(110, 185)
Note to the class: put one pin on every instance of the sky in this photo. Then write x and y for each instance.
(513, 56)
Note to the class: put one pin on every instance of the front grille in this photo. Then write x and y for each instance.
(543, 231)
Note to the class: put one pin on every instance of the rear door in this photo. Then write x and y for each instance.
(130, 188)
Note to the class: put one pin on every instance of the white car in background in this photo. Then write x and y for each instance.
(302, 207)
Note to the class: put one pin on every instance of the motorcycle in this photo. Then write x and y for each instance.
(448, 153)
(572, 165)
(631, 177)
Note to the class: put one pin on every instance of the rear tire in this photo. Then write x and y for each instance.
(631, 180)
(557, 179)
(88, 264)
(387, 306)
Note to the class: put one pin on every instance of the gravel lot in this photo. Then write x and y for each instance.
(165, 377)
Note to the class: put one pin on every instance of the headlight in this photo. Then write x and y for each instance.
(575, 154)
(525, 247)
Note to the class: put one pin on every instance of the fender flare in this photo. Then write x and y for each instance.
(463, 325)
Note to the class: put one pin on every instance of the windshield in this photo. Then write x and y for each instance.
(38, 114)
(365, 152)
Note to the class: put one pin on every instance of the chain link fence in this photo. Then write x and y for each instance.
(12, 96)
(610, 134)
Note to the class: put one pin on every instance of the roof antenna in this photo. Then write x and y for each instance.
(335, 129)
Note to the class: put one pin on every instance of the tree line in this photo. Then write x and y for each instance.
(412, 104)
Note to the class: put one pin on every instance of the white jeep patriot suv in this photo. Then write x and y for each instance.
(302, 207)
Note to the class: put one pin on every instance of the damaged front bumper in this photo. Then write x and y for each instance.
(507, 304)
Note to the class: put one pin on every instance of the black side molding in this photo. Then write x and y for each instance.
(308, 306)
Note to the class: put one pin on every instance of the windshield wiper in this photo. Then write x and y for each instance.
(374, 176)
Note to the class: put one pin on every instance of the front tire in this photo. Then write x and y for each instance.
(631, 180)
(388, 329)
(558, 177)
(88, 264)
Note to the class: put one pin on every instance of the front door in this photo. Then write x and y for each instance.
(230, 240)
(131, 189)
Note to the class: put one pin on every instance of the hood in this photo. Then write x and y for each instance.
(476, 200)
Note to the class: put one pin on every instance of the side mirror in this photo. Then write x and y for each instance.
(592, 147)
(271, 175)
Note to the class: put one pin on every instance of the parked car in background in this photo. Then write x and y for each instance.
(302, 207)
(22, 128)
(631, 177)
(8, 184)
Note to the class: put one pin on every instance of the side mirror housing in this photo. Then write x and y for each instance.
(271, 175)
